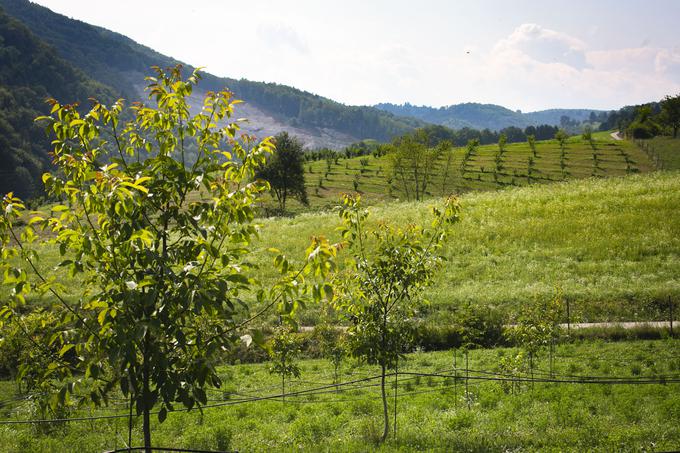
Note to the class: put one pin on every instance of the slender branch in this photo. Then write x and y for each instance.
(45, 351)
(118, 145)
(258, 314)
(51, 290)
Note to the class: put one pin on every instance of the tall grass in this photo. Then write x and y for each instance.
(667, 149)
(610, 244)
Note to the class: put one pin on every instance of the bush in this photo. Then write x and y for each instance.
(639, 130)
(16, 348)
(479, 328)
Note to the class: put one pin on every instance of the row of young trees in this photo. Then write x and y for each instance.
(161, 250)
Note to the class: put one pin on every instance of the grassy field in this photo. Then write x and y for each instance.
(664, 149)
(610, 244)
(433, 411)
(326, 180)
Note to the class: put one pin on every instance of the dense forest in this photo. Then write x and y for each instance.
(623, 118)
(31, 72)
(118, 61)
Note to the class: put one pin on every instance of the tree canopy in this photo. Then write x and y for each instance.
(284, 170)
(160, 249)
(670, 113)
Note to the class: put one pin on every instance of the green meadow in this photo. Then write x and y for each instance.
(602, 231)
(434, 412)
(610, 245)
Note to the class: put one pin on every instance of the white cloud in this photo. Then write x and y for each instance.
(534, 64)
(278, 36)
(544, 45)
(634, 60)
(668, 63)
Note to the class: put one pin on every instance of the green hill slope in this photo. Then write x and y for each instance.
(663, 151)
(121, 63)
(30, 72)
(610, 244)
(371, 176)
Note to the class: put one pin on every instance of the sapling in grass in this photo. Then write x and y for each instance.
(537, 327)
(502, 142)
(380, 287)
(333, 348)
(531, 139)
(158, 249)
(284, 351)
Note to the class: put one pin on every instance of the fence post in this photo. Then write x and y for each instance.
(467, 378)
(455, 375)
(670, 306)
(568, 317)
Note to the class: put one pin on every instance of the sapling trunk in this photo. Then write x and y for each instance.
(455, 374)
(146, 427)
(384, 400)
(383, 369)
(396, 386)
(146, 398)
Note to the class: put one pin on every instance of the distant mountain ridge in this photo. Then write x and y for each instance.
(483, 116)
(121, 63)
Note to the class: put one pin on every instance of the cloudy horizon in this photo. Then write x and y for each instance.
(527, 56)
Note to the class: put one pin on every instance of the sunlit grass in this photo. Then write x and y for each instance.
(432, 411)
(610, 244)
(326, 180)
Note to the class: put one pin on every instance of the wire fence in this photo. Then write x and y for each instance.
(405, 377)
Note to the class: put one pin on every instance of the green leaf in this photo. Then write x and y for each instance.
(102, 316)
(64, 349)
(162, 414)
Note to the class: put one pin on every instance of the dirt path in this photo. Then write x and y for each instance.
(579, 325)
(616, 135)
(625, 325)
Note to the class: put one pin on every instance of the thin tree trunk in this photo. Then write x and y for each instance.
(146, 408)
(552, 348)
(335, 378)
(396, 387)
(130, 425)
(455, 376)
(383, 367)
(384, 399)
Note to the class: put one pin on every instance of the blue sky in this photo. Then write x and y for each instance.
(524, 54)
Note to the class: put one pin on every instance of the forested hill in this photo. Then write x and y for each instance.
(121, 63)
(31, 72)
(485, 116)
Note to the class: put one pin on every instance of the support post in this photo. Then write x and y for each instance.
(670, 306)
(467, 378)
(568, 317)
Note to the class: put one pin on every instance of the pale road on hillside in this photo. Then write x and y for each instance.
(616, 135)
